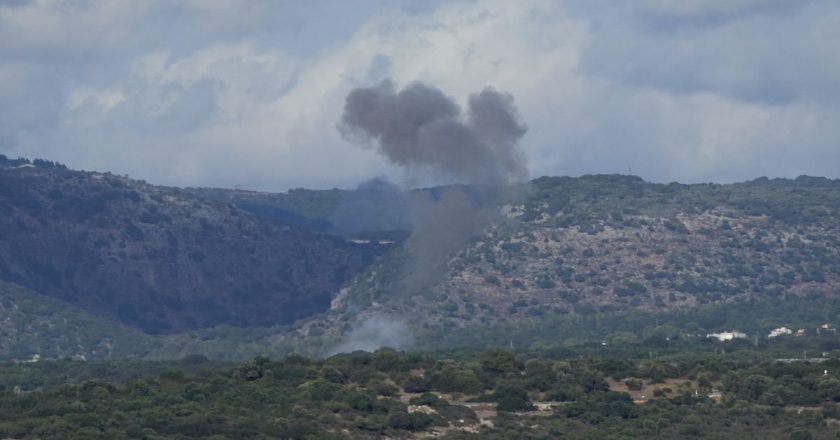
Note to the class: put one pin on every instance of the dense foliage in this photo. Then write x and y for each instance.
(32, 324)
(494, 394)
(35, 325)
(160, 259)
(606, 287)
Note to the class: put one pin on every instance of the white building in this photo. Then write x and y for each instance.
(826, 329)
(779, 332)
(727, 336)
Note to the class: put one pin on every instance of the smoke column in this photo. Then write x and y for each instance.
(425, 132)
(422, 130)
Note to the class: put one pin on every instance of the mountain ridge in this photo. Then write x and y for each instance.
(159, 258)
(559, 250)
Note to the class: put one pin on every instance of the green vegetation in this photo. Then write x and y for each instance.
(592, 199)
(32, 324)
(612, 245)
(36, 325)
(635, 334)
(234, 274)
(503, 395)
(160, 259)
(605, 286)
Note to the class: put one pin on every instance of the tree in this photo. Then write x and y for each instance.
(512, 397)
(498, 361)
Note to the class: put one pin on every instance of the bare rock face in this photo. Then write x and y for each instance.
(162, 259)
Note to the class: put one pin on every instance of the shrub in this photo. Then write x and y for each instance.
(633, 384)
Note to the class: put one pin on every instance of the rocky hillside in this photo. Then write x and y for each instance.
(600, 244)
(162, 259)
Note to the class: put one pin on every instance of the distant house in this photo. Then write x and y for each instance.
(727, 336)
(779, 332)
(826, 329)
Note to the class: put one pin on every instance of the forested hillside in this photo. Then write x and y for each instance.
(33, 326)
(232, 274)
(160, 259)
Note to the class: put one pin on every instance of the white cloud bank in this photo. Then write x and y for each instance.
(224, 93)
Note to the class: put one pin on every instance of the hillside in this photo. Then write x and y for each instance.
(609, 244)
(32, 324)
(161, 259)
(231, 273)
(375, 206)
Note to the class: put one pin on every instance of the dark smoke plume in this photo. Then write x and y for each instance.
(422, 129)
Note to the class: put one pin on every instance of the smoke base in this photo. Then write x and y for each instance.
(375, 332)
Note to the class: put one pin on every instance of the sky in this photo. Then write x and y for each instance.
(250, 93)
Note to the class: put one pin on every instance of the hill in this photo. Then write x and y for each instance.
(609, 244)
(232, 274)
(375, 207)
(34, 327)
(162, 259)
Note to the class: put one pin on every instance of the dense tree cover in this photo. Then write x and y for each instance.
(584, 200)
(804, 200)
(38, 163)
(629, 334)
(32, 324)
(635, 334)
(161, 259)
(30, 376)
(494, 394)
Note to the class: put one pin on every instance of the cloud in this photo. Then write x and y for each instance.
(753, 52)
(224, 93)
(706, 9)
